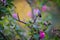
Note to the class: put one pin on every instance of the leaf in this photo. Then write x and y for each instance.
(1, 27)
(36, 36)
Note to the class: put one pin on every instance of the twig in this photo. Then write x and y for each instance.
(18, 16)
(20, 20)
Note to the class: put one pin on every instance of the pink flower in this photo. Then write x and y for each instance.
(44, 8)
(14, 15)
(41, 34)
(29, 14)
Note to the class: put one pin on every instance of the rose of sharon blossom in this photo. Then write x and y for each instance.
(14, 15)
(36, 11)
(29, 14)
(41, 34)
(44, 8)
(4, 1)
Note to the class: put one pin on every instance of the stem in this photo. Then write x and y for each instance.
(34, 19)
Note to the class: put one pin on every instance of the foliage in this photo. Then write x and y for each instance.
(57, 2)
(38, 25)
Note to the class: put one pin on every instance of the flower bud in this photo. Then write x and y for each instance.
(41, 34)
(44, 8)
(29, 14)
(14, 15)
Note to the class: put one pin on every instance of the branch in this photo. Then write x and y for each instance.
(22, 22)
(18, 19)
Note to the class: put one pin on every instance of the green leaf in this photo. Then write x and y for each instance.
(36, 36)
(1, 27)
